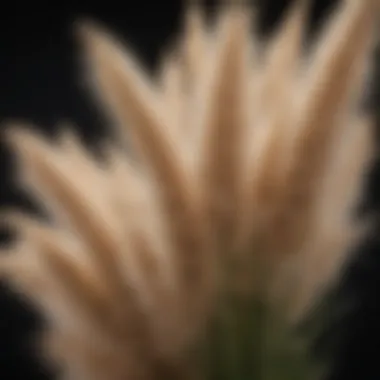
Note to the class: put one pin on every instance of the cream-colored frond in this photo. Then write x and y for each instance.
(238, 158)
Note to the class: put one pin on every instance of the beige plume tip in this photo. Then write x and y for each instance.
(18, 136)
(87, 31)
(86, 28)
(91, 35)
(99, 46)
(24, 140)
(14, 131)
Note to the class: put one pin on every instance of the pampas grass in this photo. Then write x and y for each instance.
(199, 257)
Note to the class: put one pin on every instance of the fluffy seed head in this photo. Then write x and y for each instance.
(242, 159)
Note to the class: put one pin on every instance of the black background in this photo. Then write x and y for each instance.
(40, 83)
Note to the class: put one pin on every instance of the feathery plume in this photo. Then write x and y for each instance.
(241, 200)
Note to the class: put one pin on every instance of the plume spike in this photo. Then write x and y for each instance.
(123, 85)
(131, 269)
(225, 126)
(331, 77)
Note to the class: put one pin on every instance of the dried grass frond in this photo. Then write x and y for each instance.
(242, 162)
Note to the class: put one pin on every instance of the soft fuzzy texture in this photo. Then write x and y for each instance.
(241, 156)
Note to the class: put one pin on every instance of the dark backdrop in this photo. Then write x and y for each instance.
(39, 82)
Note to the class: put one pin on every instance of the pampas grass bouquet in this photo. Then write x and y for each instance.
(196, 253)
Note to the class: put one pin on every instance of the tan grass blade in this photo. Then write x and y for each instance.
(341, 52)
